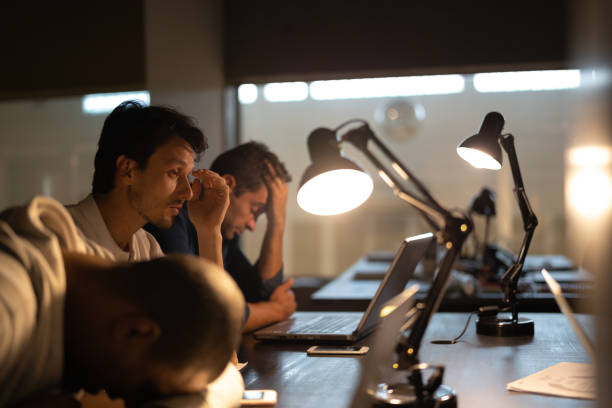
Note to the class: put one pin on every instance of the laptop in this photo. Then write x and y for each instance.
(555, 288)
(348, 327)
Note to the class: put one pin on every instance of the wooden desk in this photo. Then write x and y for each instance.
(477, 368)
(348, 293)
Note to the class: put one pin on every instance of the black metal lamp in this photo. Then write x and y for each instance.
(342, 182)
(332, 179)
(483, 204)
(483, 150)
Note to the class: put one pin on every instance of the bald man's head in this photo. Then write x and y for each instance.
(177, 318)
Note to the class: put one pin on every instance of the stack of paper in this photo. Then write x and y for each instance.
(571, 380)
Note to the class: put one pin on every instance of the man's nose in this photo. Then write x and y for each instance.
(251, 224)
(184, 189)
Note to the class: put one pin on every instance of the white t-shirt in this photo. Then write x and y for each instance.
(142, 246)
(32, 292)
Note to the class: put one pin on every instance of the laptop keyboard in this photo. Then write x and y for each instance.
(326, 324)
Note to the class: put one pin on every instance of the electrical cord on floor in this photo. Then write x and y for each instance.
(453, 341)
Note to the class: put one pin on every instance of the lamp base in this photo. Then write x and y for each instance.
(504, 327)
(402, 395)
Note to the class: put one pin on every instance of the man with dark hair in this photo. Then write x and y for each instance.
(142, 331)
(257, 180)
(145, 155)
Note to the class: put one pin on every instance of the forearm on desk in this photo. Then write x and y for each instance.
(262, 314)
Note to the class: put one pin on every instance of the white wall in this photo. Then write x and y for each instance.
(47, 146)
(325, 246)
(184, 60)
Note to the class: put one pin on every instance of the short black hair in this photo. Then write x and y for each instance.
(248, 164)
(195, 302)
(136, 131)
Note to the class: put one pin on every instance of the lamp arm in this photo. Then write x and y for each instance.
(529, 219)
(530, 222)
(426, 210)
(407, 172)
(453, 229)
(359, 137)
(408, 347)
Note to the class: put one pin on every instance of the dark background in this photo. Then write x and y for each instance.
(71, 47)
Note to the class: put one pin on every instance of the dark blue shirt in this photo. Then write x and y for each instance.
(182, 238)
(246, 274)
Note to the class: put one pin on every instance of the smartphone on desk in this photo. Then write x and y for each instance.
(337, 350)
(258, 397)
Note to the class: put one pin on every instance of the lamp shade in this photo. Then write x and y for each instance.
(484, 203)
(482, 150)
(332, 184)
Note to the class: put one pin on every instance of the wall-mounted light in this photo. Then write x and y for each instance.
(285, 91)
(386, 87)
(96, 104)
(247, 93)
(527, 81)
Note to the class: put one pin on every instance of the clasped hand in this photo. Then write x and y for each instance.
(210, 199)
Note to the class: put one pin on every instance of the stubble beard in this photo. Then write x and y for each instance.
(161, 221)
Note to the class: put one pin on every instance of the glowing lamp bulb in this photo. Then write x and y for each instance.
(335, 192)
(478, 159)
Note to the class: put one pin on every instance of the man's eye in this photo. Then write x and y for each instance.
(173, 173)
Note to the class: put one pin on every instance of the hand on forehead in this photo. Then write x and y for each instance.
(271, 175)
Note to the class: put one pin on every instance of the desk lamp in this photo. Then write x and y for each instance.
(483, 151)
(484, 204)
(333, 184)
(484, 262)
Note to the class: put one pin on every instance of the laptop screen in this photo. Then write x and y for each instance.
(565, 308)
(401, 270)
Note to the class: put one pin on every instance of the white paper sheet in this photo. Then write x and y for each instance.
(570, 380)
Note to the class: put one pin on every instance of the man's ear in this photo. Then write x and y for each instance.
(136, 329)
(230, 180)
(125, 169)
